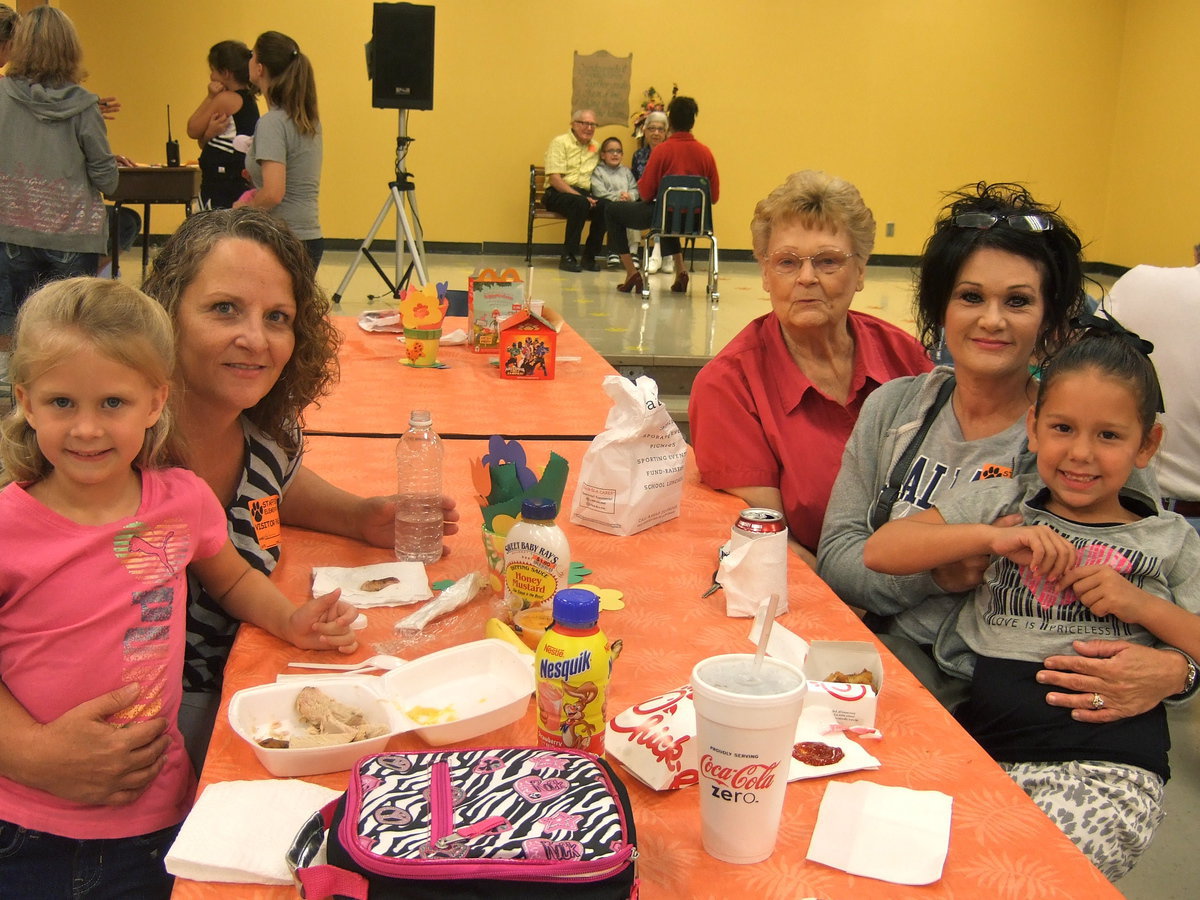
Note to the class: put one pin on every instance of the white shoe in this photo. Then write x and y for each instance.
(613, 260)
(668, 266)
(655, 260)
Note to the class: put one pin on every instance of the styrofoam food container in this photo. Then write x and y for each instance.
(485, 683)
(260, 707)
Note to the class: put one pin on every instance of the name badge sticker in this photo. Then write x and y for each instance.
(264, 514)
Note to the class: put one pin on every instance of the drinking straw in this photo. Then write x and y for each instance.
(764, 634)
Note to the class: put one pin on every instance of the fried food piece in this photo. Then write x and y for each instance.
(378, 584)
(863, 677)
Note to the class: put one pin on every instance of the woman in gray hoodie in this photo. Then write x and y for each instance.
(55, 162)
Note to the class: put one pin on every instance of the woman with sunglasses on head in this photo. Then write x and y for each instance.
(771, 412)
(999, 283)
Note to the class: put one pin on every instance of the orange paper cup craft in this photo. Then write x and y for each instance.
(421, 316)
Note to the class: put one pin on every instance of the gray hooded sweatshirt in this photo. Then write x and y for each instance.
(55, 163)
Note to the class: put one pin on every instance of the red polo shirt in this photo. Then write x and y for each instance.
(680, 154)
(757, 421)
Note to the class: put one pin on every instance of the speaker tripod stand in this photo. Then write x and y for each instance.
(401, 192)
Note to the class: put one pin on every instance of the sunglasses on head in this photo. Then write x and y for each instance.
(1017, 221)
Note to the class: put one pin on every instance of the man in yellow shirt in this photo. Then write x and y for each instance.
(570, 159)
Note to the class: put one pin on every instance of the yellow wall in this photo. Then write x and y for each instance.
(907, 99)
(1153, 210)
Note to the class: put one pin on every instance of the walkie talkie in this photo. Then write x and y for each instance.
(172, 144)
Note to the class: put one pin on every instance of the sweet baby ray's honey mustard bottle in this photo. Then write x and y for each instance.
(573, 666)
(537, 558)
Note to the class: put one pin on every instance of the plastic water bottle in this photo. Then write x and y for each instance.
(419, 491)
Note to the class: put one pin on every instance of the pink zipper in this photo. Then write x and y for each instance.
(441, 805)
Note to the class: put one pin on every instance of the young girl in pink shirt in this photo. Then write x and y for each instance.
(97, 539)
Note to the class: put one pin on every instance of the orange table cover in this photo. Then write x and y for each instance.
(1001, 845)
(378, 389)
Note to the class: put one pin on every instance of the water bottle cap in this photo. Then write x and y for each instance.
(420, 417)
(538, 509)
(576, 608)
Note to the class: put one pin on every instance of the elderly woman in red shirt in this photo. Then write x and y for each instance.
(771, 413)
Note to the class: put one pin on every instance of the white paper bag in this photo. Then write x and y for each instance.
(632, 474)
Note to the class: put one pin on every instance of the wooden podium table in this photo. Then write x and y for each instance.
(148, 185)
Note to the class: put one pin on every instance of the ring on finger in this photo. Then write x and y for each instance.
(1097, 701)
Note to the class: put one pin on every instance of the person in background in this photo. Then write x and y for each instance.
(770, 413)
(97, 534)
(8, 21)
(654, 132)
(284, 159)
(570, 159)
(228, 111)
(999, 283)
(611, 180)
(1163, 306)
(56, 162)
(680, 154)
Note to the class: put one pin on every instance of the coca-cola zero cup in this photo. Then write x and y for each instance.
(745, 729)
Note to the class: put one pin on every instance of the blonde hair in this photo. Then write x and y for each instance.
(46, 49)
(815, 200)
(119, 322)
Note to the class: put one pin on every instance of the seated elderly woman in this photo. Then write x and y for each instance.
(770, 413)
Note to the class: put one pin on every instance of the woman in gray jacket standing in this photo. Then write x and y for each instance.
(56, 162)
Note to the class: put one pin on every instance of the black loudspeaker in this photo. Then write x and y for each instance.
(402, 56)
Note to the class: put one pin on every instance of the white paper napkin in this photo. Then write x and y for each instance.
(752, 572)
(240, 831)
(889, 833)
(812, 727)
(380, 320)
(412, 585)
(453, 338)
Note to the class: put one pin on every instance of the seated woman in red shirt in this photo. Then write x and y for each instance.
(771, 413)
(679, 154)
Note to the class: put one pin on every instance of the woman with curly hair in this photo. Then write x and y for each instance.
(254, 349)
(999, 285)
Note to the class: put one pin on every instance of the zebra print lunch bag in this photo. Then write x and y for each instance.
(473, 823)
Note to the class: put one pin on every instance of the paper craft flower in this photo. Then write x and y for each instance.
(503, 479)
(422, 311)
(501, 451)
(414, 349)
(652, 101)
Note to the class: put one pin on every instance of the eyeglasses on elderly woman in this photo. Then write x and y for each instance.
(1017, 221)
(826, 262)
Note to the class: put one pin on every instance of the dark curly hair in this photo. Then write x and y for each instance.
(1058, 254)
(313, 366)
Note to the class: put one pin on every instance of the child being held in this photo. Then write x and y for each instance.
(97, 543)
(611, 180)
(1094, 559)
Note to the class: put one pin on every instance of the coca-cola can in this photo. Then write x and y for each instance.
(755, 522)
